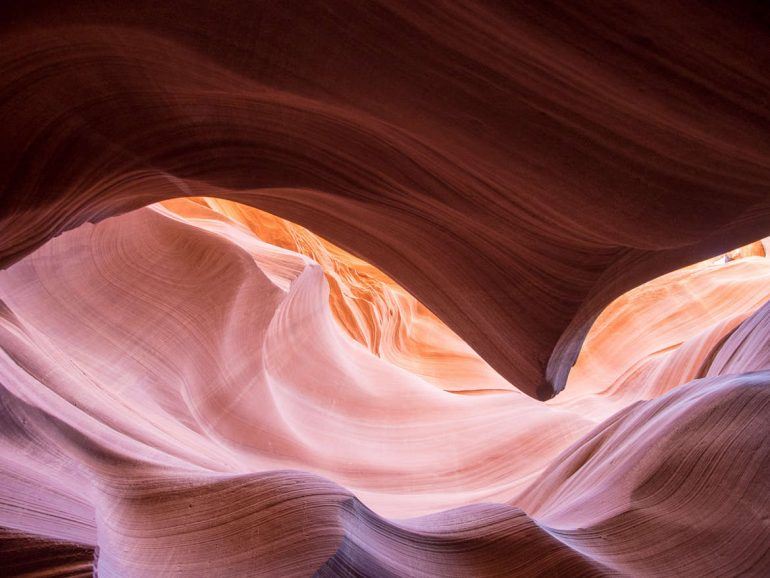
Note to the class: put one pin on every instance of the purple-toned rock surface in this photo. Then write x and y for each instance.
(290, 289)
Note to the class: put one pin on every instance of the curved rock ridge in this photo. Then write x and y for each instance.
(178, 398)
(668, 331)
(678, 482)
(371, 307)
(628, 498)
(516, 167)
(222, 350)
(697, 306)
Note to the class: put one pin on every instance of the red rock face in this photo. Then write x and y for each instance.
(354, 372)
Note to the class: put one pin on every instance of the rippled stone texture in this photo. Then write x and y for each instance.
(372, 308)
(203, 388)
(515, 167)
(164, 371)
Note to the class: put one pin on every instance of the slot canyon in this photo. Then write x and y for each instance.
(390, 288)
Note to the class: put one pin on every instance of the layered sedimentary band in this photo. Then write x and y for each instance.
(516, 168)
(171, 380)
(384, 288)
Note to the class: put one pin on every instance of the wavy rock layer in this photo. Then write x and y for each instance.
(515, 167)
(167, 373)
(201, 388)
(223, 351)
(680, 482)
(371, 308)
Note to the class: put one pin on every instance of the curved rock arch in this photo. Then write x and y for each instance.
(515, 168)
